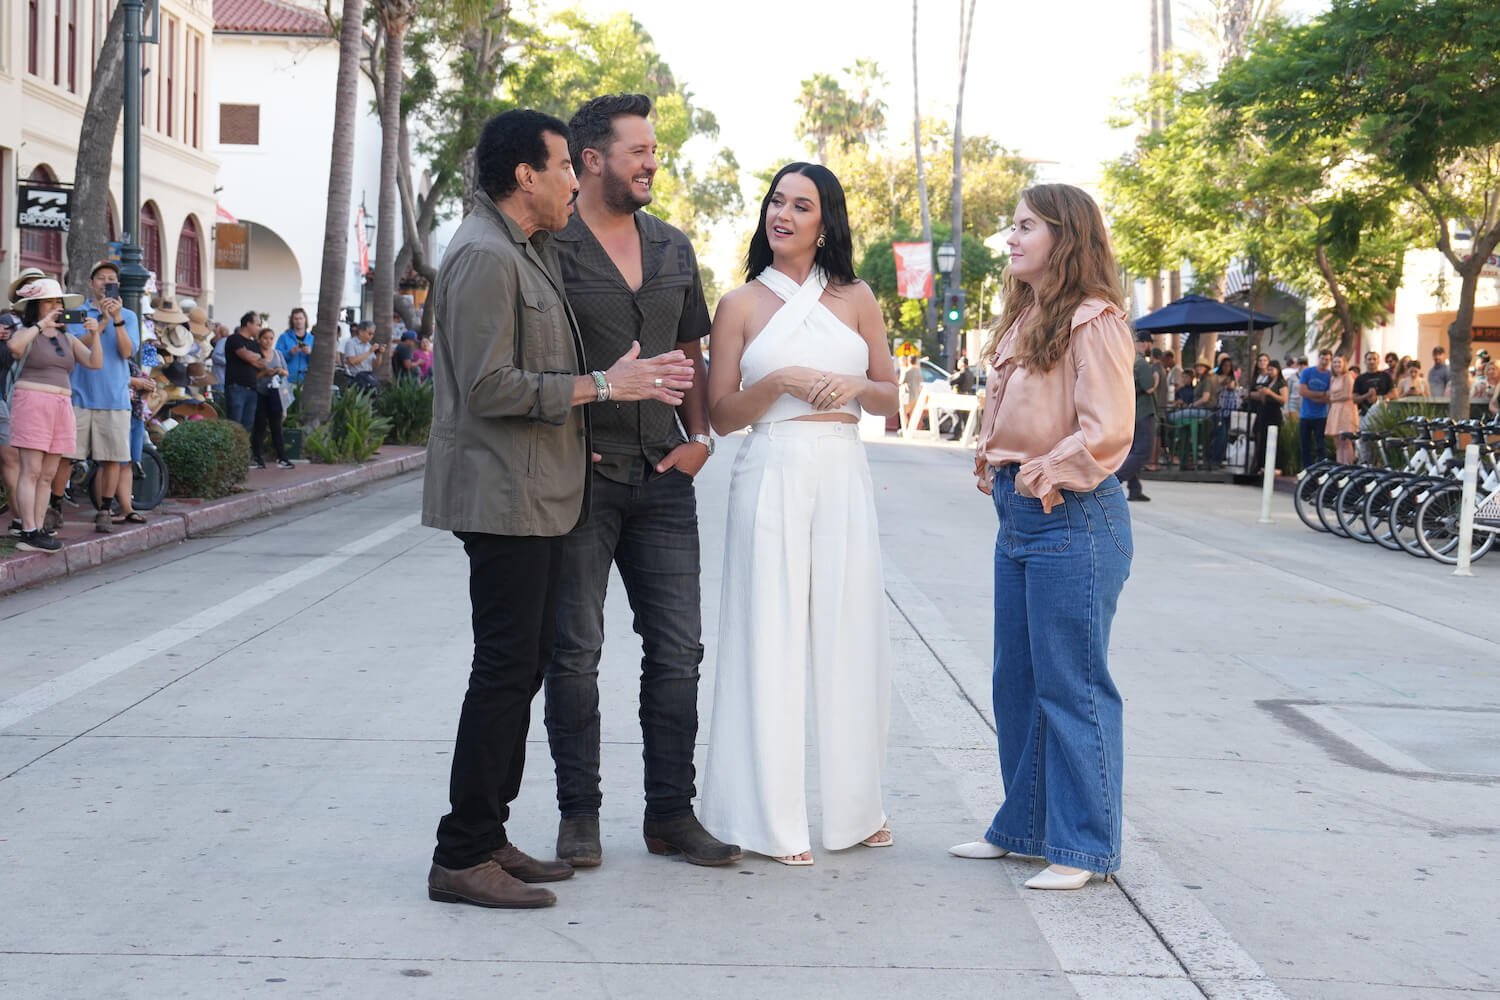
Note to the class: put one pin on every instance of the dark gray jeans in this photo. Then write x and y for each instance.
(650, 533)
(1140, 450)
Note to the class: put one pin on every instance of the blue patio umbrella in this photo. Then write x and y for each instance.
(1196, 314)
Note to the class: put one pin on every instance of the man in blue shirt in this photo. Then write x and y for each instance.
(101, 397)
(1313, 419)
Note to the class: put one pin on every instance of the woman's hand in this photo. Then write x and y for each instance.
(663, 378)
(834, 390)
(49, 322)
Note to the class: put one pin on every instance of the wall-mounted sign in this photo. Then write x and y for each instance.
(43, 206)
(231, 246)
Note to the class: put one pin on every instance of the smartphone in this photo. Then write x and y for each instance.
(73, 316)
(112, 290)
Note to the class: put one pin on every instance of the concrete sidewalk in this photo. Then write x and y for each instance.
(264, 491)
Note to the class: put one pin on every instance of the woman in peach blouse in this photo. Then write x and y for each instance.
(1058, 421)
(1343, 418)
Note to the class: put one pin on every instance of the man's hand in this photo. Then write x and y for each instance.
(688, 457)
(112, 307)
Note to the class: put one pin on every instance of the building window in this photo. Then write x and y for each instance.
(34, 38)
(72, 45)
(195, 85)
(151, 239)
(39, 247)
(239, 124)
(171, 76)
(189, 260)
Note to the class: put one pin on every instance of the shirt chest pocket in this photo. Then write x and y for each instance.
(544, 341)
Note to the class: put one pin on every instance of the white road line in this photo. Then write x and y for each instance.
(1111, 943)
(102, 668)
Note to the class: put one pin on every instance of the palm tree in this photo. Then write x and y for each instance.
(395, 16)
(317, 390)
(88, 236)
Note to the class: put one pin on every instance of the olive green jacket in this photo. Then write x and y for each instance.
(508, 453)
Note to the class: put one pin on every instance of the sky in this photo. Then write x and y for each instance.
(1043, 78)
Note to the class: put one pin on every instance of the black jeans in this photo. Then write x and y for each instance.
(267, 414)
(1262, 429)
(1140, 450)
(513, 600)
(1310, 434)
(650, 532)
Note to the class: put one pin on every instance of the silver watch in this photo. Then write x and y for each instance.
(706, 440)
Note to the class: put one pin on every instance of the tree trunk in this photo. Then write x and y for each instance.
(1234, 25)
(394, 18)
(88, 234)
(1348, 335)
(955, 279)
(930, 313)
(317, 390)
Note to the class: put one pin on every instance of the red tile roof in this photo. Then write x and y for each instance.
(267, 17)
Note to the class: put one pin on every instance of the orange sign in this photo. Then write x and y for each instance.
(231, 247)
(907, 349)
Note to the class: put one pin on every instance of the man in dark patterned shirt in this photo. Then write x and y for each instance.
(631, 279)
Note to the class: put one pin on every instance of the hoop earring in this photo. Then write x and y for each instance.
(821, 241)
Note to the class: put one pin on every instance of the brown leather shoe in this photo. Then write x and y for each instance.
(518, 864)
(485, 884)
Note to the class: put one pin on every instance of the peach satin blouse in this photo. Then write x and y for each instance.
(1071, 427)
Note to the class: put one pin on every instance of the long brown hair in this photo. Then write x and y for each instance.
(1080, 266)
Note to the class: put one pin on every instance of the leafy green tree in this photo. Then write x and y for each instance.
(903, 319)
(1411, 88)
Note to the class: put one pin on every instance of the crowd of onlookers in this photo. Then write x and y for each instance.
(1328, 397)
(83, 377)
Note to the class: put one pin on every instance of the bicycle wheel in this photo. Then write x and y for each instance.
(1328, 493)
(1350, 505)
(1437, 526)
(150, 487)
(1403, 516)
(1377, 509)
(1305, 497)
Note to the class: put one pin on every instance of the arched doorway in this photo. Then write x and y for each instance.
(271, 284)
(42, 248)
(151, 240)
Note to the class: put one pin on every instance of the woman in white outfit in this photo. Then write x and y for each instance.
(798, 350)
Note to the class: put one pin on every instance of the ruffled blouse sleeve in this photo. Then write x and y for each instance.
(1104, 395)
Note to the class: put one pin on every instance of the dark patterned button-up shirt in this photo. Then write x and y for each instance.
(668, 309)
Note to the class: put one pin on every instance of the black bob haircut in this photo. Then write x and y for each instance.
(593, 125)
(510, 139)
(836, 255)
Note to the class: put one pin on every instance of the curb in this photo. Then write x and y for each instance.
(28, 569)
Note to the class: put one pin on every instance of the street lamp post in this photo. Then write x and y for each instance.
(947, 255)
(133, 272)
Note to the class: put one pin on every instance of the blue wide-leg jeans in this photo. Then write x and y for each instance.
(1058, 577)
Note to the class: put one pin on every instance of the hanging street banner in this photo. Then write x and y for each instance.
(44, 206)
(913, 269)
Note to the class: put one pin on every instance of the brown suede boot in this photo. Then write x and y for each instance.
(485, 884)
(578, 841)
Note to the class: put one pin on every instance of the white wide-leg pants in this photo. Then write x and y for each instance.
(802, 590)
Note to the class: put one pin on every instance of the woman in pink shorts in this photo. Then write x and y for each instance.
(42, 426)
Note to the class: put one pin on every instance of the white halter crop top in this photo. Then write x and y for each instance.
(803, 332)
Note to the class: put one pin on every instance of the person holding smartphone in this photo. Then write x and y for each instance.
(101, 398)
(43, 426)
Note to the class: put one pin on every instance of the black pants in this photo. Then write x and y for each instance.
(513, 601)
(267, 414)
(1140, 450)
(1262, 428)
(1314, 444)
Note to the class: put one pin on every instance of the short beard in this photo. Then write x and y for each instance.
(618, 196)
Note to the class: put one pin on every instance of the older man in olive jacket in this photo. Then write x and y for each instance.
(507, 472)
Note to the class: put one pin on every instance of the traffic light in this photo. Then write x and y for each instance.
(953, 308)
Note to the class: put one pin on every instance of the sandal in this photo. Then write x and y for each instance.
(794, 860)
(875, 840)
(134, 517)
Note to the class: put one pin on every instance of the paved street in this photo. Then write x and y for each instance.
(221, 764)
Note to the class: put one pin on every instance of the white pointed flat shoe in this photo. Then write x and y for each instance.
(1049, 878)
(978, 849)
